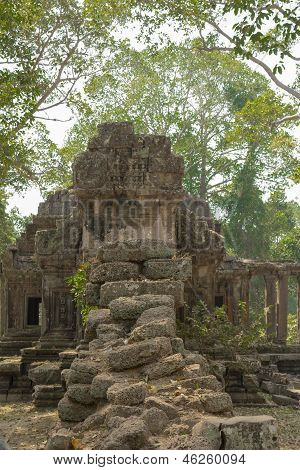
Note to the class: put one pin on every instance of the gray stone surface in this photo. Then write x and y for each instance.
(137, 354)
(216, 402)
(130, 308)
(69, 410)
(154, 329)
(161, 404)
(158, 313)
(250, 433)
(179, 269)
(164, 367)
(134, 250)
(117, 271)
(113, 290)
(155, 419)
(127, 394)
(46, 373)
(131, 434)
(81, 393)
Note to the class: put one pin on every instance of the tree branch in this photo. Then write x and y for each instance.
(267, 69)
(292, 117)
(52, 119)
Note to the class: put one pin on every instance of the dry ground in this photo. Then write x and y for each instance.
(25, 427)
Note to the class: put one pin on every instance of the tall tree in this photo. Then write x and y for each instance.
(246, 28)
(47, 47)
(204, 102)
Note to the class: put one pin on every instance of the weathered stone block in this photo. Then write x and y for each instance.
(156, 402)
(250, 433)
(209, 382)
(47, 373)
(130, 308)
(179, 269)
(81, 393)
(127, 394)
(206, 435)
(155, 419)
(177, 345)
(101, 384)
(60, 440)
(83, 371)
(96, 318)
(92, 294)
(122, 411)
(131, 434)
(153, 329)
(117, 271)
(285, 401)
(69, 410)
(134, 250)
(113, 290)
(192, 359)
(10, 367)
(216, 402)
(159, 313)
(137, 354)
(164, 367)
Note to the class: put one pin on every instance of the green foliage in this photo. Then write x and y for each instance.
(12, 224)
(216, 329)
(195, 99)
(292, 337)
(77, 284)
(46, 47)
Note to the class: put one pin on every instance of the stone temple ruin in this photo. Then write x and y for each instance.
(152, 252)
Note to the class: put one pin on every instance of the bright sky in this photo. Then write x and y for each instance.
(27, 202)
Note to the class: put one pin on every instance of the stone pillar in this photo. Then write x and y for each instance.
(245, 297)
(282, 307)
(232, 301)
(271, 305)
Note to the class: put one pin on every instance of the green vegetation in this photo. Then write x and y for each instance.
(77, 284)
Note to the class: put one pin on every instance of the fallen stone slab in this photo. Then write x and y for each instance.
(153, 329)
(81, 393)
(127, 394)
(122, 411)
(116, 271)
(134, 250)
(159, 313)
(164, 367)
(94, 319)
(132, 434)
(167, 408)
(179, 269)
(206, 435)
(137, 354)
(130, 308)
(60, 440)
(216, 402)
(113, 290)
(155, 419)
(208, 382)
(102, 382)
(285, 401)
(69, 410)
(249, 433)
(11, 366)
(46, 373)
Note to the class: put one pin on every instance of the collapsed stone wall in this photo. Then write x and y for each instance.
(137, 386)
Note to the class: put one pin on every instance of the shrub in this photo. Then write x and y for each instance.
(77, 284)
